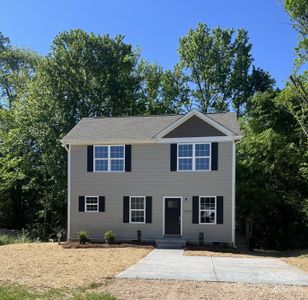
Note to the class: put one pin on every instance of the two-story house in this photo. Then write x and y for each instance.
(168, 176)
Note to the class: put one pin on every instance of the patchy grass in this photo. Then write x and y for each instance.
(50, 266)
(6, 239)
(14, 292)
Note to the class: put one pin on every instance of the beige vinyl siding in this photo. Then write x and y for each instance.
(150, 176)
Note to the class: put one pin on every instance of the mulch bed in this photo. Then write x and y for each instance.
(88, 245)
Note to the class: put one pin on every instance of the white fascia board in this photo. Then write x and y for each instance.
(199, 139)
(155, 140)
(108, 142)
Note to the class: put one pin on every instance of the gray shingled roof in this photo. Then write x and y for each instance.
(137, 128)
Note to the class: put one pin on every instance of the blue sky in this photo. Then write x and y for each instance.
(155, 26)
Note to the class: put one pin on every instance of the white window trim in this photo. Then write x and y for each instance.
(203, 223)
(85, 204)
(194, 157)
(137, 209)
(108, 159)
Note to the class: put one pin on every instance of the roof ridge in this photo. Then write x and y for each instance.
(151, 116)
(135, 116)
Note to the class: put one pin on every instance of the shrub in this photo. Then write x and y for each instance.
(6, 239)
(82, 237)
(109, 237)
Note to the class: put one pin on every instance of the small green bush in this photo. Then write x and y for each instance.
(6, 239)
(109, 237)
(82, 237)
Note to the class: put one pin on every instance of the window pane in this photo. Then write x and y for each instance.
(137, 216)
(91, 200)
(185, 164)
(137, 203)
(207, 203)
(117, 165)
(91, 207)
(185, 150)
(117, 152)
(101, 165)
(202, 163)
(101, 152)
(202, 150)
(207, 217)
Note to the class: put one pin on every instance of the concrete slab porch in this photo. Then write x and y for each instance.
(171, 264)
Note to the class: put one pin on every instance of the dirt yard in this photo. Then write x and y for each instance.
(48, 265)
(297, 258)
(45, 266)
(183, 290)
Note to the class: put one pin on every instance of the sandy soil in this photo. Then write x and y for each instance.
(297, 258)
(216, 253)
(48, 265)
(124, 289)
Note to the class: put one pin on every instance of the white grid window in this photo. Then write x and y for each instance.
(207, 208)
(194, 157)
(91, 204)
(109, 158)
(137, 209)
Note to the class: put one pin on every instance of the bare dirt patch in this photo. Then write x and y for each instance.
(216, 253)
(183, 290)
(48, 265)
(299, 261)
(298, 258)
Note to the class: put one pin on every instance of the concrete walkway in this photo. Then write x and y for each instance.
(171, 264)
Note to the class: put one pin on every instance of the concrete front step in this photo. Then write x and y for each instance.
(170, 243)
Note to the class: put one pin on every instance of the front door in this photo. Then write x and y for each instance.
(172, 215)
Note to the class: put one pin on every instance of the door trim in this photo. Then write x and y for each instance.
(181, 212)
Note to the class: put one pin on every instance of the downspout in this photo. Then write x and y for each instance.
(233, 188)
(68, 149)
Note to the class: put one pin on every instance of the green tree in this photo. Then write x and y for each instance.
(162, 92)
(298, 12)
(271, 176)
(17, 68)
(217, 63)
(294, 98)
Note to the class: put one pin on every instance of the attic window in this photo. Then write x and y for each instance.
(109, 158)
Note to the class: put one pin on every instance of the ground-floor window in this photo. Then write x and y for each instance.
(91, 204)
(137, 209)
(207, 207)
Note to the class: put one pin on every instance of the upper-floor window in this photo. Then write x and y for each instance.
(194, 157)
(109, 158)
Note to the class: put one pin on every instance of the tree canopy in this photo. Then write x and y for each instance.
(42, 98)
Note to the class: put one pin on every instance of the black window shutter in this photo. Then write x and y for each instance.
(173, 157)
(214, 166)
(148, 205)
(220, 210)
(195, 209)
(81, 203)
(126, 209)
(90, 158)
(101, 205)
(128, 158)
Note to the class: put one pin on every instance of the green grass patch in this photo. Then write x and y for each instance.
(20, 238)
(15, 292)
